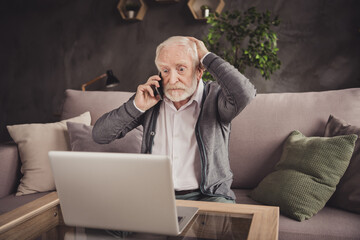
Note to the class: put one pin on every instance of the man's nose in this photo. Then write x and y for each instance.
(173, 77)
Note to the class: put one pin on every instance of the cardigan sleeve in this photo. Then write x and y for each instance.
(236, 90)
(117, 123)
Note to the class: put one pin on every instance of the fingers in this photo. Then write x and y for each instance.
(201, 48)
(145, 96)
(146, 88)
(153, 80)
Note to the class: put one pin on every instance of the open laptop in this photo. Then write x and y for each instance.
(117, 191)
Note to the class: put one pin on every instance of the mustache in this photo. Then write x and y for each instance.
(175, 86)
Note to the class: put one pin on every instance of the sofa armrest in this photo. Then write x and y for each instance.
(9, 168)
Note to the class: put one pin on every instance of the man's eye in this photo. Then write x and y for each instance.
(181, 69)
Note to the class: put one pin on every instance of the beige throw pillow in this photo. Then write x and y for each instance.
(34, 142)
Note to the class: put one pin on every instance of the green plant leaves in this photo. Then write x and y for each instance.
(244, 40)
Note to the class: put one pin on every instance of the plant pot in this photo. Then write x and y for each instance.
(205, 12)
(130, 14)
(131, 10)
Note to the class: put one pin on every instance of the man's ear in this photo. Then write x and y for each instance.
(199, 73)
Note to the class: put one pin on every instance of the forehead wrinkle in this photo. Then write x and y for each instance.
(173, 56)
(177, 64)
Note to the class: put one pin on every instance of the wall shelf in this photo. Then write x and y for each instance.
(167, 1)
(195, 7)
(139, 14)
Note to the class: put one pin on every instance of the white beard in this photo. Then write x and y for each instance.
(176, 97)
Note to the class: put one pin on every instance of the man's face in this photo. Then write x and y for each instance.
(180, 76)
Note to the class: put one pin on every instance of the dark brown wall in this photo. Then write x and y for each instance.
(49, 46)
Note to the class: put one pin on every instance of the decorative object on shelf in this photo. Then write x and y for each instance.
(132, 10)
(244, 40)
(111, 80)
(205, 9)
(196, 7)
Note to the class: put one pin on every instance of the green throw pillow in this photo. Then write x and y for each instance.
(306, 175)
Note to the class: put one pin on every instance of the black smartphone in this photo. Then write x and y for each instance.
(159, 90)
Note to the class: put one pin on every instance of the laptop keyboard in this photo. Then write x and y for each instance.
(180, 219)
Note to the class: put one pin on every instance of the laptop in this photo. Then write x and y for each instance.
(118, 191)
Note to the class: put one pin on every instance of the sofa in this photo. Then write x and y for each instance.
(256, 147)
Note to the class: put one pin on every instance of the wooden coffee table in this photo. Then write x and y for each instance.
(42, 218)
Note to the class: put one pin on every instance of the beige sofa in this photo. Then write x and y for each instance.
(257, 138)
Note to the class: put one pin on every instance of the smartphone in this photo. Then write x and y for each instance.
(159, 90)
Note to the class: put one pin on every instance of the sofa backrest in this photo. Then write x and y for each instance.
(260, 129)
(9, 169)
(96, 102)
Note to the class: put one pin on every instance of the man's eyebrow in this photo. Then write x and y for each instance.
(161, 64)
(183, 63)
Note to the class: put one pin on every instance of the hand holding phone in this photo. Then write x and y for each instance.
(144, 99)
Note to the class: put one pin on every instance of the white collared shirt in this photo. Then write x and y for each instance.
(175, 137)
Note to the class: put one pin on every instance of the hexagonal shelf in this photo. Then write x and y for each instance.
(138, 7)
(167, 1)
(195, 7)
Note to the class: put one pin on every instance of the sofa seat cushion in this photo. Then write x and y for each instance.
(329, 223)
(11, 202)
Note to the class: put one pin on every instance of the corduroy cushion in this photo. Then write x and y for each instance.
(34, 142)
(347, 194)
(306, 175)
(81, 140)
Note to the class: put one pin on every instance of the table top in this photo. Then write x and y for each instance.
(213, 221)
(264, 220)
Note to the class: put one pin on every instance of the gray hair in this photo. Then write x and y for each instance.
(179, 41)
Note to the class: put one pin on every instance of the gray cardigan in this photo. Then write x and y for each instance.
(222, 101)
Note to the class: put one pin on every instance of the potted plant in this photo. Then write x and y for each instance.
(131, 9)
(244, 40)
(205, 10)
